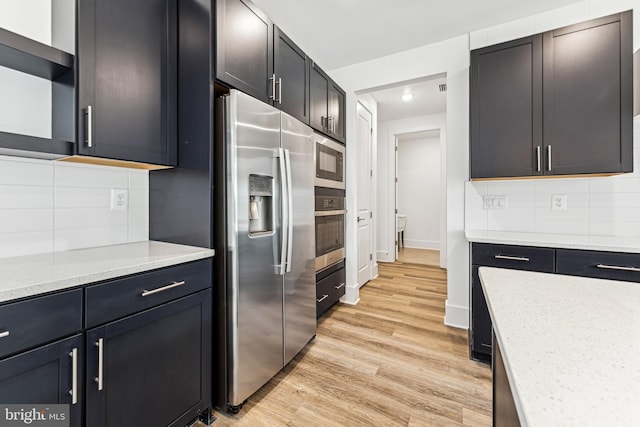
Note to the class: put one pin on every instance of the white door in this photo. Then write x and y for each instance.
(365, 178)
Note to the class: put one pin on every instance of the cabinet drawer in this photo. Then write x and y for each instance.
(603, 265)
(514, 257)
(119, 298)
(329, 290)
(35, 321)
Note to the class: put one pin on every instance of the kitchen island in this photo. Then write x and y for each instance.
(570, 347)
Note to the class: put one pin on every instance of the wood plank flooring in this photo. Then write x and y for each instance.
(387, 361)
(419, 256)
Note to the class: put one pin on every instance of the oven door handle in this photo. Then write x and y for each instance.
(287, 162)
(329, 213)
(284, 226)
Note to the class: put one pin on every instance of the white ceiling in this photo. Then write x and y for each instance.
(427, 99)
(337, 33)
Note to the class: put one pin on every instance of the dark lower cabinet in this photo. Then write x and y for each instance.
(50, 374)
(330, 286)
(480, 320)
(127, 80)
(152, 368)
(505, 413)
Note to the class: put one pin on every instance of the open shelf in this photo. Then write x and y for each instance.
(13, 144)
(29, 56)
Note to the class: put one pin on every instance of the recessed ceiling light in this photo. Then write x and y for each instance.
(407, 97)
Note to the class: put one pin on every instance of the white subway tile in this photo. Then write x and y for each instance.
(138, 179)
(25, 220)
(511, 219)
(561, 186)
(17, 171)
(561, 17)
(92, 176)
(139, 216)
(615, 215)
(90, 237)
(138, 199)
(473, 193)
(573, 200)
(615, 201)
(608, 228)
(25, 197)
(79, 218)
(615, 184)
(27, 243)
(544, 213)
(562, 227)
(524, 187)
(138, 233)
(77, 197)
(475, 218)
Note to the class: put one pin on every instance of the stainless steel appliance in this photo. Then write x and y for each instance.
(329, 160)
(270, 276)
(330, 216)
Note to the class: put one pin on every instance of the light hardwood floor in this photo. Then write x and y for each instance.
(419, 256)
(387, 361)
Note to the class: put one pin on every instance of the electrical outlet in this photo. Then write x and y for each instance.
(559, 202)
(491, 202)
(119, 199)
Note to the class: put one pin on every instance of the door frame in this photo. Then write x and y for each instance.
(373, 265)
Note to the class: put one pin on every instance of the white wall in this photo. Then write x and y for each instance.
(418, 190)
(451, 57)
(386, 173)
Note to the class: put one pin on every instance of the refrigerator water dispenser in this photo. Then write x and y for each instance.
(260, 205)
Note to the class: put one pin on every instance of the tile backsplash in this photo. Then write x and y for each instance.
(55, 206)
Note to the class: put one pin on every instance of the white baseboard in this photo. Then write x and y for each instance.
(456, 316)
(385, 256)
(375, 270)
(422, 244)
(351, 295)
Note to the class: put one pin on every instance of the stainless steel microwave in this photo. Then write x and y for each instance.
(329, 160)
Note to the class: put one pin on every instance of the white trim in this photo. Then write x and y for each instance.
(456, 316)
(383, 256)
(351, 296)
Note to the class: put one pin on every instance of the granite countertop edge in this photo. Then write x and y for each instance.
(33, 275)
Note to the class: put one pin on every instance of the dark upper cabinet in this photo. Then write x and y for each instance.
(556, 103)
(327, 104)
(292, 74)
(127, 80)
(244, 48)
(50, 374)
(588, 97)
(506, 109)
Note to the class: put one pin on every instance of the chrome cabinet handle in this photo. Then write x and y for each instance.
(4, 334)
(485, 345)
(279, 90)
(324, 297)
(512, 258)
(74, 376)
(273, 87)
(549, 158)
(341, 285)
(100, 378)
(617, 267)
(538, 158)
(146, 293)
(89, 126)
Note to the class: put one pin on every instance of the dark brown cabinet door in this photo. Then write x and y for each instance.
(46, 375)
(152, 368)
(244, 48)
(127, 80)
(588, 97)
(319, 98)
(506, 109)
(336, 100)
(292, 74)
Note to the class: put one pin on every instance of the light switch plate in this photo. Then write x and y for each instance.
(493, 202)
(559, 202)
(119, 199)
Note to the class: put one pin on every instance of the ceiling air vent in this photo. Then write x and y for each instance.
(442, 87)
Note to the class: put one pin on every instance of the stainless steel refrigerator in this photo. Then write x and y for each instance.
(270, 243)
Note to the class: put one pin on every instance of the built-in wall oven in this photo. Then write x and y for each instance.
(329, 160)
(330, 226)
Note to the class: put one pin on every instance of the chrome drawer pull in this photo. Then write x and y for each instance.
(486, 345)
(4, 334)
(100, 378)
(616, 267)
(324, 297)
(74, 376)
(146, 293)
(339, 286)
(512, 258)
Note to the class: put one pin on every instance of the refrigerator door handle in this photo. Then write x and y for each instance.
(290, 211)
(284, 226)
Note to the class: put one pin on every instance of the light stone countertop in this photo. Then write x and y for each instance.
(566, 241)
(31, 275)
(571, 346)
